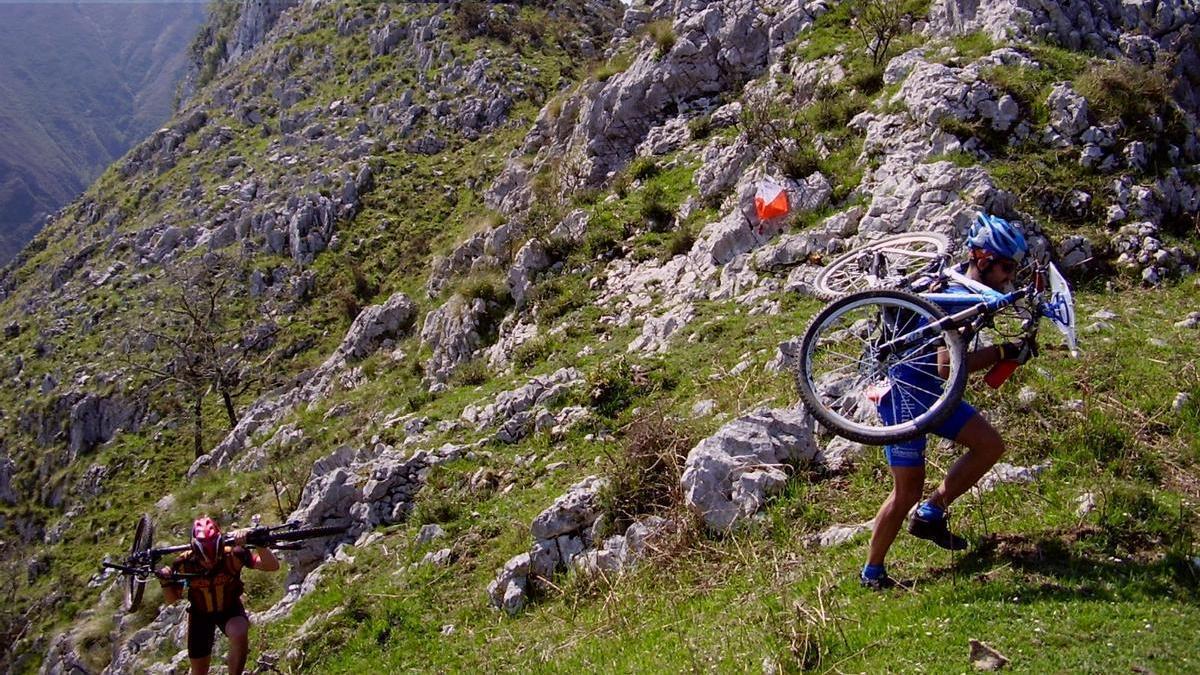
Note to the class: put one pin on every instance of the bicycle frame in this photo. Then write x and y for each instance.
(979, 306)
(967, 308)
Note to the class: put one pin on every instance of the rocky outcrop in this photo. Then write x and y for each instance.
(519, 411)
(717, 47)
(565, 539)
(254, 21)
(7, 494)
(373, 328)
(453, 331)
(938, 197)
(95, 420)
(1148, 33)
(358, 490)
(728, 476)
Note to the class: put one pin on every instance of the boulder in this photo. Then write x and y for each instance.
(375, 324)
(530, 260)
(453, 331)
(573, 511)
(508, 590)
(727, 476)
(1068, 110)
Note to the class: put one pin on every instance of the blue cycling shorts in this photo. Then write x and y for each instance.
(915, 390)
(911, 453)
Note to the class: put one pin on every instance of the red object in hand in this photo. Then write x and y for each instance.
(1000, 373)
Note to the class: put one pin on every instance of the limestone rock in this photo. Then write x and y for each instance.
(530, 260)
(727, 476)
(377, 323)
(508, 590)
(7, 468)
(429, 533)
(571, 512)
(453, 332)
(1068, 110)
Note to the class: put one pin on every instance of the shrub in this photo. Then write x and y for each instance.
(347, 304)
(663, 34)
(643, 477)
(1130, 93)
(471, 373)
(654, 209)
(533, 351)
(489, 287)
(680, 242)
(557, 296)
(700, 127)
(786, 140)
(799, 160)
(877, 23)
(867, 80)
(616, 65)
(613, 386)
(643, 168)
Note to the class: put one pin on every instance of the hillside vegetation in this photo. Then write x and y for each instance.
(402, 266)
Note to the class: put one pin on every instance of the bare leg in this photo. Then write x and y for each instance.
(237, 630)
(984, 448)
(908, 483)
(200, 666)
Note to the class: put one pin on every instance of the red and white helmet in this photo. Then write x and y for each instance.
(206, 539)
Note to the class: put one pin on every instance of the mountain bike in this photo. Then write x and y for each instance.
(859, 353)
(142, 562)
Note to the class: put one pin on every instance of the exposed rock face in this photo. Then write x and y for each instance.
(1144, 32)
(7, 494)
(530, 260)
(96, 420)
(255, 20)
(728, 476)
(570, 512)
(358, 490)
(453, 332)
(373, 326)
(563, 540)
(718, 46)
(542, 391)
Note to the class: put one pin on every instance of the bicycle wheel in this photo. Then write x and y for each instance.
(880, 264)
(860, 389)
(143, 539)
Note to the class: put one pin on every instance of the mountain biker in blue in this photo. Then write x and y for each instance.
(996, 247)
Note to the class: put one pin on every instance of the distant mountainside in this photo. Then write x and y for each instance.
(81, 83)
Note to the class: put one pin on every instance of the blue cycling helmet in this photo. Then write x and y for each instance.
(998, 237)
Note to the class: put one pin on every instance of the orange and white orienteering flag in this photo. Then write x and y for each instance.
(771, 200)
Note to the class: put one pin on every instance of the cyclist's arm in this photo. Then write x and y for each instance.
(172, 589)
(979, 359)
(265, 560)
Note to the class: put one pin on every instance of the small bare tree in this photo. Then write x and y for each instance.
(199, 350)
(878, 22)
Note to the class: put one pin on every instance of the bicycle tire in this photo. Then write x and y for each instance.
(307, 533)
(872, 375)
(143, 539)
(846, 274)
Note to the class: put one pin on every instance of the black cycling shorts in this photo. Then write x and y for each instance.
(202, 629)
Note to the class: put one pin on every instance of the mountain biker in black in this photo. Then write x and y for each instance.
(215, 593)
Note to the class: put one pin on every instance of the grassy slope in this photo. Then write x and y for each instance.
(1050, 592)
